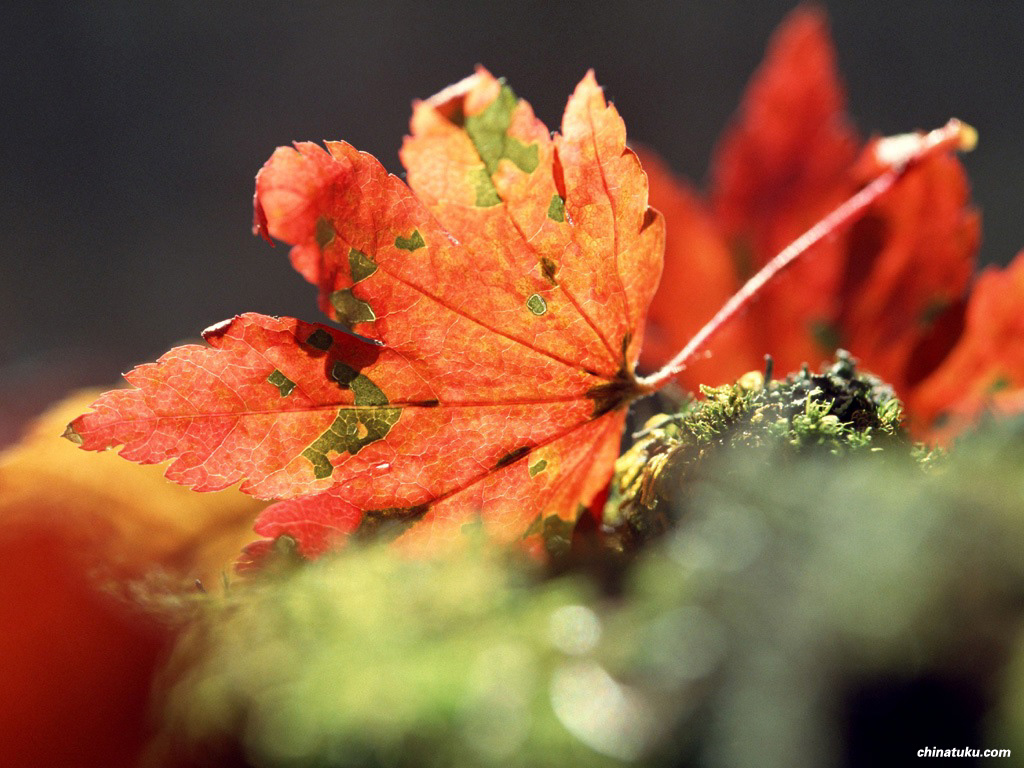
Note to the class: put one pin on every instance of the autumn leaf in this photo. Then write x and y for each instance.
(907, 271)
(891, 288)
(783, 163)
(699, 276)
(499, 302)
(985, 370)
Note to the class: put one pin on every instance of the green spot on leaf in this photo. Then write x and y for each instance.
(410, 243)
(320, 339)
(283, 383)
(539, 467)
(536, 304)
(556, 208)
(350, 310)
(366, 392)
(360, 265)
(932, 311)
(486, 194)
(826, 335)
(999, 383)
(353, 428)
(488, 131)
(324, 232)
(523, 155)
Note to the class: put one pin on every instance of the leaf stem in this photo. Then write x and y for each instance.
(897, 154)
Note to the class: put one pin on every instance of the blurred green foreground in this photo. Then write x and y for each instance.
(807, 604)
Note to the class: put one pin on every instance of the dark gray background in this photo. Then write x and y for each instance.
(132, 131)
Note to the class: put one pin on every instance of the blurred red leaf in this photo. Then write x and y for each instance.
(891, 288)
(985, 370)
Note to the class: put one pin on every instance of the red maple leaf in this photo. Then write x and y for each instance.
(500, 298)
(892, 288)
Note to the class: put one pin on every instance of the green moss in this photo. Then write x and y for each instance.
(836, 412)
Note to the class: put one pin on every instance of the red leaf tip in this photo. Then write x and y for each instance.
(590, 80)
